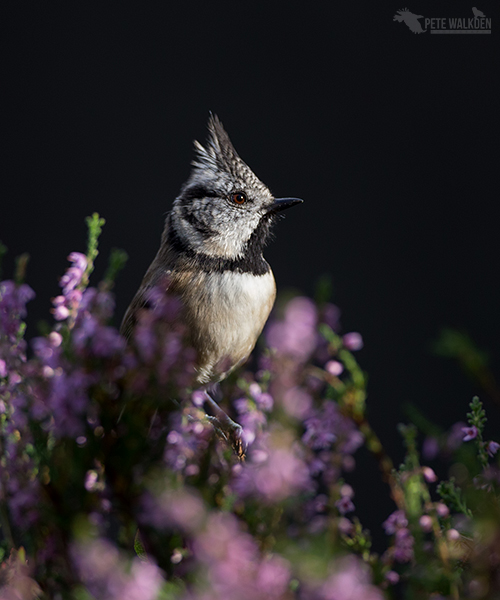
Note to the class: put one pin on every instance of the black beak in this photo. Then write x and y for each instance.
(280, 204)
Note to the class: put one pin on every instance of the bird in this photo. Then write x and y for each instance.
(211, 254)
(477, 12)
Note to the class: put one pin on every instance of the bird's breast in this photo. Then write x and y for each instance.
(225, 314)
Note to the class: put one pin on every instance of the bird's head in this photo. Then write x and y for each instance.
(224, 207)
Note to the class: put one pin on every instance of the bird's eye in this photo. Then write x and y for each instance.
(239, 198)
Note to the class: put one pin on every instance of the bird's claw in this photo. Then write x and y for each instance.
(230, 432)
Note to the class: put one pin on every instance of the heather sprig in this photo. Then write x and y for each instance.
(452, 496)
(95, 224)
(477, 420)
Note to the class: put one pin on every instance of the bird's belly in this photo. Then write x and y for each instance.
(226, 316)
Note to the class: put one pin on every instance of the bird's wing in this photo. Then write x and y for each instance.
(157, 273)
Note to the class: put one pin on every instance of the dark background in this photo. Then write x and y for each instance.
(390, 137)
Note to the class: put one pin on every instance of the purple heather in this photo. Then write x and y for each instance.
(470, 433)
(492, 448)
(353, 341)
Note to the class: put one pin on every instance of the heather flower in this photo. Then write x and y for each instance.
(441, 509)
(470, 433)
(143, 582)
(392, 577)
(234, 568)
(60, 310)
(346, 490)
(352, 341)
(13, 300)
(106, 574)
(250, 413)
(79, 261)
(295, 336)
(176, 510)
(198, 398)
(327, 425)
(3, 368)
(403, 545)
(242, 406)
(352, 440)
(273, 577)
(297, 402)
(22, 489)
(254, 390)
(321, 426)
(425, 523)
(91, 480)
(187, 439)
(271, 473)
(351, 581)
(345, 505)
(70, 279)
(47, 349)
(67, 401)
(429, 474)
(492, 448)
(263, 400)
(334, 367)
(68, 304)
(73, 276)
(397, 520)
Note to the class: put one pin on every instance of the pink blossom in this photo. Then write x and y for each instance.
(272, 473)
(395, 521)
(403, 545)
(236, 571)
(425, 522)
(334, 367)
(351, 581)
(470, 433)
(442, 510)
(429, 474)
(492, 448)
(352, 341)
(345, 505)
(392, 577)
(297, 402)
(296, 334)
(79, 260)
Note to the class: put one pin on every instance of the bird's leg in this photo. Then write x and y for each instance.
(228, 429)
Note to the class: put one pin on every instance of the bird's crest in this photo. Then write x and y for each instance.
(219, 155)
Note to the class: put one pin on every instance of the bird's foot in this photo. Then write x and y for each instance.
(230, 431)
